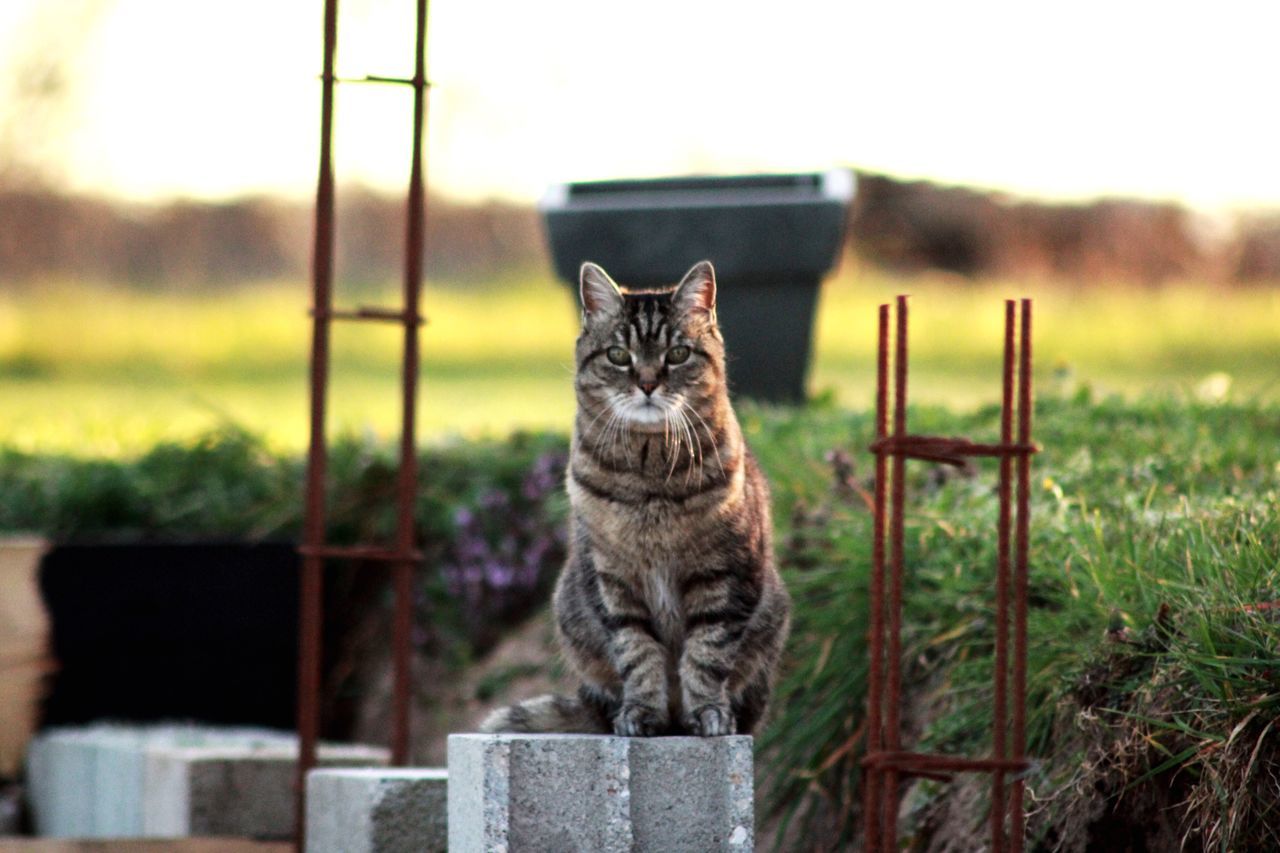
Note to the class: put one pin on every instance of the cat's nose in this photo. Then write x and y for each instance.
(648, 386)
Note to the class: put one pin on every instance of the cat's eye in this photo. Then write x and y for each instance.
(677, 355)
(618, 356)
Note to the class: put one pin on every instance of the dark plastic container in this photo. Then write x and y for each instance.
(771, 238)
(204, 631)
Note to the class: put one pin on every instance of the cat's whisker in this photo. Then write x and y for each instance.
(613, 427)
(605, 433)
(711, 436)
(622, 434)
(681, 430)
(693, 439)
(695, 453)
(623, 427)
(604, 410)
(675, 452)
(626, 439)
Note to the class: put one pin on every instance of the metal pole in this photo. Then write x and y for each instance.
(407, 481)
(872, 809)
(893, 653)
(312, 582)
(885, 763)
(1001, 675)
(1021, 537)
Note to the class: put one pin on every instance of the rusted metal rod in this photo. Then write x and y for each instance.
(407, 481)
(948, 451)
(385, 315)
(311, 592)
(1021, 594)
(314, 550)
(371, 553)
(885, 763)
(913, 762)
(893, 648)
(871, 809)
(1000, 713)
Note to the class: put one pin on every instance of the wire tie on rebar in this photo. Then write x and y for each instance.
(378, 78)
(361, 552)
(947, 451)
(369, 313)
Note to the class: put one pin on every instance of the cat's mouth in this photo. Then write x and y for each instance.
(645, 411)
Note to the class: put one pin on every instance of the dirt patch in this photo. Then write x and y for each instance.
(449, 699)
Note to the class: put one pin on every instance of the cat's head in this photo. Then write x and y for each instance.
(646, 354)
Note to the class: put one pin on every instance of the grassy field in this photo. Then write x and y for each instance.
(1154, 694)
(106, 370)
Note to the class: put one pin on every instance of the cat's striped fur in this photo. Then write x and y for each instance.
(669, 607)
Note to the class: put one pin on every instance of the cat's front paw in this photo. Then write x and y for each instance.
(635, 720)
(711, 721)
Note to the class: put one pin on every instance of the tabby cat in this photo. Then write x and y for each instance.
(669, 608)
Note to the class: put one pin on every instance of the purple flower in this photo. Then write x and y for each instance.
(499, 575)
(544, 477)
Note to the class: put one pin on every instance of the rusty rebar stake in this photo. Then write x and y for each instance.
(885, 763)
(404, 555)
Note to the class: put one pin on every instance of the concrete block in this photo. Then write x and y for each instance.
(89, 782)
(60, 772)
(115, 781)
(401, 810)
(244, 790)
(598, 793)
(119, 763)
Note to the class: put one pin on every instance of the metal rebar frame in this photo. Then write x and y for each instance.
(402, 556)
(886, 764)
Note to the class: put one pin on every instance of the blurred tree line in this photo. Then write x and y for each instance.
(47, 234)
(901, 226)
(188, 245)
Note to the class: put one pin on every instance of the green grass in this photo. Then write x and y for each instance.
(102, 371)
(1155, 519)
(107, 370)
(1154, 689)
(1153, 686)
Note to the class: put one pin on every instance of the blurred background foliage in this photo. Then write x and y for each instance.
(121, 325)
(1154, 595)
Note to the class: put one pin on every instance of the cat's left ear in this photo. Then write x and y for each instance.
(600, 296)
(697, 290)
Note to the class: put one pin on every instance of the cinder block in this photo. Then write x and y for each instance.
(600, 794)
(114, 781)
(399, 810)
(244, 791)
(119, 764)
(60, 770)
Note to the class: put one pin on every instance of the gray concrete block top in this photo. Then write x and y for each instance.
(171, 780)
(600, 793)
(381, 774)
(393, 810)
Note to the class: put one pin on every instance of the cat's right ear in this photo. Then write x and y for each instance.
(600, 296)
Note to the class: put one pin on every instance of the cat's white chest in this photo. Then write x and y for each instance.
(663, 600)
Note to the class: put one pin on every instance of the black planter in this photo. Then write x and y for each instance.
(197, 631)
(771, 238)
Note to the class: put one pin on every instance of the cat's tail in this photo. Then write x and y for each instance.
(549, 714)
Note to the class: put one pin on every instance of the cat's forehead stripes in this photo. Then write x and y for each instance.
(648, 318)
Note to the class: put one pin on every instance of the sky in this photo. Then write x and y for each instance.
(1063, 101)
